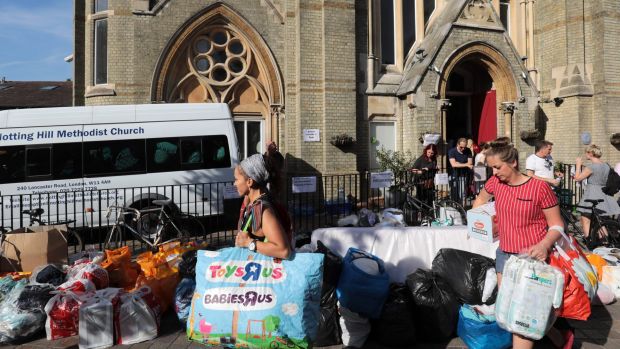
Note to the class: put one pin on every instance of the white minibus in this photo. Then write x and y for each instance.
(69, 160)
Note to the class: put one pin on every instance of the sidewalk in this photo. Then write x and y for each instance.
(602, 330)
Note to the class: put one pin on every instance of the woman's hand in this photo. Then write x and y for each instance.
(242, 239)
(539, 251)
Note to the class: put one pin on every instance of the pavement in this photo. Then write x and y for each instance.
(602, 330)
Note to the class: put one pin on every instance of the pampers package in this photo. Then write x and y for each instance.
(528, 297)
(245, 299)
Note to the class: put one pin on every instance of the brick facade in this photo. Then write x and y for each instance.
(320, 50)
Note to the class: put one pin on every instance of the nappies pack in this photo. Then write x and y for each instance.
(529, 294)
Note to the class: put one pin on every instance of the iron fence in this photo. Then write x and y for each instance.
(320, 202)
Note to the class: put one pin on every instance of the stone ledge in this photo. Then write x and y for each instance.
(100, 90)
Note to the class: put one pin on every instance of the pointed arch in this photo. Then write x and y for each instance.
(215, 53)
(489, 58)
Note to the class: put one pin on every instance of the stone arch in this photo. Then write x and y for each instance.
(217, 56)
(491, 63)
(497, 66)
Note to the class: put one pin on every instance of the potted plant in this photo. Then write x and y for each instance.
(398, 162)
(342, 139)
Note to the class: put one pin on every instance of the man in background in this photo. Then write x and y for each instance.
(540, 164)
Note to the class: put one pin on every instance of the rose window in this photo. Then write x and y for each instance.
(219, 55)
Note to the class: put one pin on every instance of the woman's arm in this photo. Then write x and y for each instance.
(540, 251)
(277, 244)
(482, 198)
(580, 174)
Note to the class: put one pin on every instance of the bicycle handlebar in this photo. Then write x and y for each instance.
(124, 211)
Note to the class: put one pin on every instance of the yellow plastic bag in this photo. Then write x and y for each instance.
(598, 262)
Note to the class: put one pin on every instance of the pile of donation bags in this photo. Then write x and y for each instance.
(458, 295)
(104, 298)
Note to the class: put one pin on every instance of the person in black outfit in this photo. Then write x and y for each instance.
(461, 163)
(425, 168)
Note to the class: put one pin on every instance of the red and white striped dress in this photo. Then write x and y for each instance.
(519, 212)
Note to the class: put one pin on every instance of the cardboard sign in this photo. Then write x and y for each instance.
(304, 184)
(31, 247)
(441, 179)
(230, 192)
(381, 179)
(247, 300)
(312, 135)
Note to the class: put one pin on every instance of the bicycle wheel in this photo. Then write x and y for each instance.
(607, 234)
(411, 214)
(74, 239)
(190, 226)
(454, 210)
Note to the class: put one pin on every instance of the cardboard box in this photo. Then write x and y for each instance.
(480, 223)
(28, 248)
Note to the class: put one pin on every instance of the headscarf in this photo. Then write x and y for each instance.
(255, 168)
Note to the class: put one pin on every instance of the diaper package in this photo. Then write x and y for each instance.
(529, 294)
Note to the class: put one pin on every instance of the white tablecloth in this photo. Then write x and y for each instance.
(405, 249)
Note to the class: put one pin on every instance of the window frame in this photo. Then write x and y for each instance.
(505, 4)
(372, 161)
(96, 55)
(37, 177)
(243, 152)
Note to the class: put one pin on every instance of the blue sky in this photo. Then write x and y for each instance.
(35, 37)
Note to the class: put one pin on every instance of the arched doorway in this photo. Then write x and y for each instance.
(217, 56)
(475, 80)
(472, 113)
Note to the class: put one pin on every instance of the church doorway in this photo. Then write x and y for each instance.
(472, 113)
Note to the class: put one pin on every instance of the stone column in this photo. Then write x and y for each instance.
(444, 104)
(508, 109)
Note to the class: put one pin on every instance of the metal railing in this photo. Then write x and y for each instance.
(322, 205)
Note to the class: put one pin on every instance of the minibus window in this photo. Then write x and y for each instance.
(191, 153)
(114, 157)
(12, 164)
(67, 160)
(162, 154)
(39, 162)
(216, 151)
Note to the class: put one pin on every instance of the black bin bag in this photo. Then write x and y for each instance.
(329, 332)
(396, 326)
(187, 265)
(436, 307)
(465, 272)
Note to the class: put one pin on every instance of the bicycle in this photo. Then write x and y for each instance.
(72, 237)
(418, 212)
(153, 226)
(602, 232)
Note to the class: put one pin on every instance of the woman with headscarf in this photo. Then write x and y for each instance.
(260, 227)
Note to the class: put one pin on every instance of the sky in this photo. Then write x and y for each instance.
(35, 37)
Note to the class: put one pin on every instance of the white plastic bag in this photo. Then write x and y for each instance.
(392, 216)
(604, 295)
(350, 220)
(136, 319)
(611, 278)
(96, 324)
(355, 328)
(490, 282)
(528, 296)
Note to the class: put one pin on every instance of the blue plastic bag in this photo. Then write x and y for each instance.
(245, 299)
(480, 331)
(359, 291)
(183, 298)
